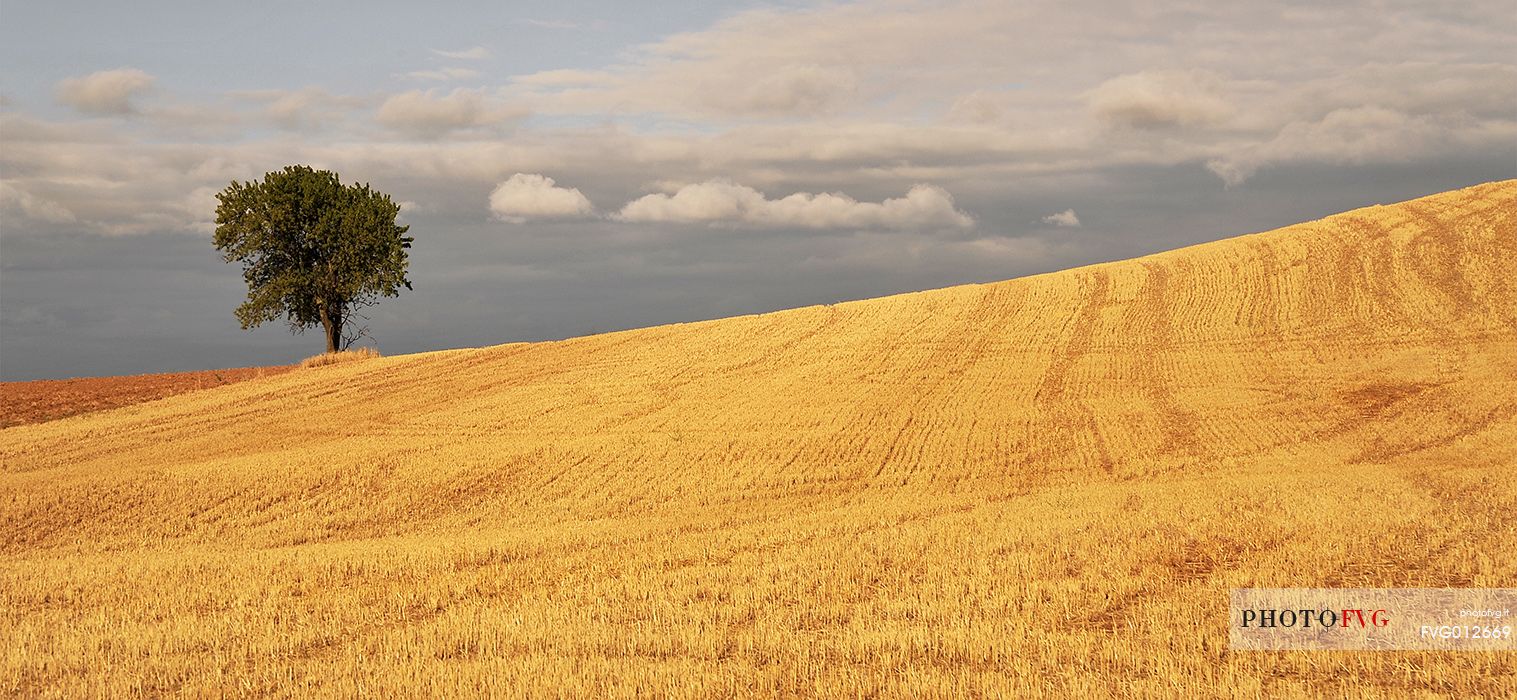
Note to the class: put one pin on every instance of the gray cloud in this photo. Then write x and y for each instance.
(1359, 135)
(20, 202)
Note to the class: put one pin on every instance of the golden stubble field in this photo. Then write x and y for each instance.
(1044, 486)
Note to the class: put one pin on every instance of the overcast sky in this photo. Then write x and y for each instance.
(577, 167)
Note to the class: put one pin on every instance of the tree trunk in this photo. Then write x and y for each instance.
(334, 337)
(331, 326)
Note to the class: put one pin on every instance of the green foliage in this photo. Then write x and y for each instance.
(312, 249)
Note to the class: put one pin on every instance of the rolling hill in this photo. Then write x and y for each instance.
(1044, 485)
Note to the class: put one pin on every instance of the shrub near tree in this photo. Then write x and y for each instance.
(313, 250)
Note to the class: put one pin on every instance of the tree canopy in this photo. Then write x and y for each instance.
(313, 250)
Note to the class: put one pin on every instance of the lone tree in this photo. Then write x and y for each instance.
(312, 249)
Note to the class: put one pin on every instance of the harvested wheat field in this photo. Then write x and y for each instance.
(50, 399)
(1044, 486)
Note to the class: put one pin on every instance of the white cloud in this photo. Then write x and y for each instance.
(719, 202)
(1063, 218)
(874, 57)
(476, 53)
(786, 95)
(441, 74)
(759, 64)
(529, 196)
(431, 114)
(1157, 99)
(104, 92)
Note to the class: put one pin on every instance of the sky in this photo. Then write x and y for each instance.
(576, 167)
